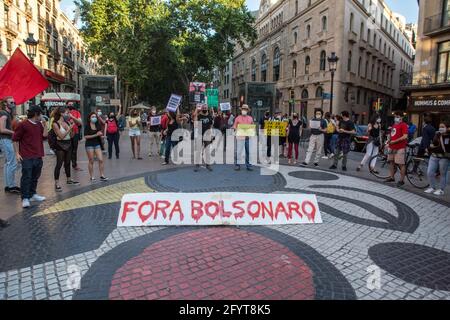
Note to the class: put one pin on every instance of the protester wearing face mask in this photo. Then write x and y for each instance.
(294, 133)
(439, 160)
(243, 142)
(134, 123)
(112, 134)
(345, 129)
(75, 118)
(7, 112)
(397, 148)
(29, 147)
(155, 134)
(317, 139)
(373, 143)
(64, 132)
(205, 119)
(93, 133)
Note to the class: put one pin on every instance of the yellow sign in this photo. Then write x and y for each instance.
(271, 128)
(246, 130)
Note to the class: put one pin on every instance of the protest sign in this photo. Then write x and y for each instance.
(200, 209)
(174, 103)
(226, 106)
(246, 130)
(197, 92)
(155, 121)
(275, 128)
(212, 98)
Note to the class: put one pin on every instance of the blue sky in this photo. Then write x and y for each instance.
(408, 8)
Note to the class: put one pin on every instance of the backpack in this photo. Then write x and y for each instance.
(112, 127)
(330, 127)
(52, 139)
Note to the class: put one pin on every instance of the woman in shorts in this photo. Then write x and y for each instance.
(93, 134)
(134, 122)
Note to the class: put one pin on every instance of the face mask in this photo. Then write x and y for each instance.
(244, 113)
(443, 130)
(153, 112)
(397, 120)
(66, 117)
(99, 113)
(318, 116)
(295, 118)
(379, 121)
(111, 116)
(94, 120)
(12, 106)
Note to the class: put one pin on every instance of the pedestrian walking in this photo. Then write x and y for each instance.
(93, 134)
(295, 129)
(428, 134)
(7, 112)
(144, 119)
(318, 127)
(346, 129)
(331, 129)
(113, 135)
(155, 135)
(75, 118)
(373, 143)
(29, 147)
(439, 160)
(64, 132)
(397, 143)
(243, 142)
(134, 123)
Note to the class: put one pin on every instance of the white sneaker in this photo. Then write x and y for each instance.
(26, 203)
(439, 192)
(325, 157)
(429, 190)
(38, 198)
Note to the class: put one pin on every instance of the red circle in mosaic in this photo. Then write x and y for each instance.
(214, 264)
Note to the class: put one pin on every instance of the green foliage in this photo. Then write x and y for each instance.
(157, 47)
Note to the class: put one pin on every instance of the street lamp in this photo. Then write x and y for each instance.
(31, 45)
(332, 61)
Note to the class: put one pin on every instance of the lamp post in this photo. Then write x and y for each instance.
(332, 61)
(31, 45)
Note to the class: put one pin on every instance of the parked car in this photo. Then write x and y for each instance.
(359, 140)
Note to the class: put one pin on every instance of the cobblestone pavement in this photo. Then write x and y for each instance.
(368, 228)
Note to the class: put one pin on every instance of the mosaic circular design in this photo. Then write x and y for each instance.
(314, 175)
(413, 263)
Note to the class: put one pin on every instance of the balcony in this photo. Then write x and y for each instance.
(48, 26)
(437, 24)
(48, 4)
(12, 28)
(28, 12)
(350, 78)
(43, 47)
(68, 62)
(293, 49)
(41, 21)
(352, 37)
(321, 36)
(425, 80)
(307, 43)
(362, 44)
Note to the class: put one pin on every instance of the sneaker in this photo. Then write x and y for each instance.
(249, 169)
(164, 163)
(237, 168)
(93, 179)
(77, 169)
(389, 180)
(439, 192)
(58, 189)
(304, 163)
(197, 168)
(333, 167)
(3, 223)
(37, 198)
(344, 168)
(208, 167)
(26, 203)
(73, 183)
(400, 184)
(325, 157)
(331, 156)
(358, 169)
(316, 164)
(15, 190)
(103, 179)
(430, 190)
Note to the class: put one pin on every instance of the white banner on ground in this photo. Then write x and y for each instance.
(174, 103)
(202, 209)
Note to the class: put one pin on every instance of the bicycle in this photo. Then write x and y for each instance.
(416, 167)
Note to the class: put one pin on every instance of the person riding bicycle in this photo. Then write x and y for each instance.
(397, 143)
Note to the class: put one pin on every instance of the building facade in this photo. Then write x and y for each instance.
(295, 38)
(222, 81)
(430, 81)
(61, 54)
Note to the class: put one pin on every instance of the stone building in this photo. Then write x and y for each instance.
(295, 38)
(61, 54)
(430, 81)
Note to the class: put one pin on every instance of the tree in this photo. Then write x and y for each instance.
(157, 47)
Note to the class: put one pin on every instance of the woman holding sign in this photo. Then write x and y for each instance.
(241, 124)
(173, 123)
(135, 134)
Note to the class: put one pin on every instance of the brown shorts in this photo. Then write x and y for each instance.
(398, 156)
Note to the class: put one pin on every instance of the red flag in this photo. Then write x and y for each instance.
(20, 79)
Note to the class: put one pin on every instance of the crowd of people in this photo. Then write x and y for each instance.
(330, 137)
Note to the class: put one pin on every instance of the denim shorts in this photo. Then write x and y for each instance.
(93, 148)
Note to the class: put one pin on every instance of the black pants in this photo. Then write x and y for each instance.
(74, 150)
(113, 139)
(327, 143)
(269, 146)
(62, 157)
(31, 171)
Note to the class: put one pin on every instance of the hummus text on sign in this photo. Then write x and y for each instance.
(200, 209)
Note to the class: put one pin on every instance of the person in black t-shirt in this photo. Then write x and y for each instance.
(203, 115)
(93, 134)
(346, 129)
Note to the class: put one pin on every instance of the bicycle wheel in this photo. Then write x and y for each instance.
(381, 169)
(416, 172)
